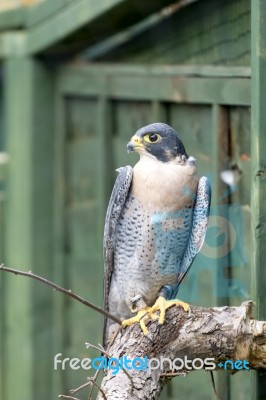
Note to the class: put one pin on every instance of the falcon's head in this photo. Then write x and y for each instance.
(158, 140)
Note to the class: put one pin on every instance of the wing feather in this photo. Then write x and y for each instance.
(198, 230)
(116, 204)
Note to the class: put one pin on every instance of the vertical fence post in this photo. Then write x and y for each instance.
(18, 324)
(3, 175)
(258, 157)
(28, 314)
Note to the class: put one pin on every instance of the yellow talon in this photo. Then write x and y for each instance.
(138, 318)
(162, 304)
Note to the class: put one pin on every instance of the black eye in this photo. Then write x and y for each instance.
(153, 137)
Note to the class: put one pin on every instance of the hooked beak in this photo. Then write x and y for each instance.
(135, 144)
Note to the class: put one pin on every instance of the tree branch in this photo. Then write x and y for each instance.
(220, 333)
(58, 288)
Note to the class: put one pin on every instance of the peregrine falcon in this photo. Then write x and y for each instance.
(155, 225)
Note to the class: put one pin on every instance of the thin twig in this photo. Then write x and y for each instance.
(94, 378)
(62, 396)
(99, 348)
(118, 329)
(174, 374)
(84, 385)
(60, 289)
(91, 381)
(98, 387)
(107, 351)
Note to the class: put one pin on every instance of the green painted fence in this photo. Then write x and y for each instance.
(211, 110)
(66, 126)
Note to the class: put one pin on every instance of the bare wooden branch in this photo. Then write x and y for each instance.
(219, 333)
(58, 288)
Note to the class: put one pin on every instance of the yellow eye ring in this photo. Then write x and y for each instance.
(152, 137)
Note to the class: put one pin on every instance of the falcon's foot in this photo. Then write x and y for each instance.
(162, 304)
(141, 317)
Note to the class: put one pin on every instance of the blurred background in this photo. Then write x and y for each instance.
(77, 79)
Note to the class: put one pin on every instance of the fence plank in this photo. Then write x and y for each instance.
(28, 311)
(3, 173)
(18, 358)
(147, 84)
(258, 157)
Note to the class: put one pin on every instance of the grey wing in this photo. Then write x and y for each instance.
(198, 229)
(115, 207)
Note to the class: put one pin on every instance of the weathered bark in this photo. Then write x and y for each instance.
(222, 333)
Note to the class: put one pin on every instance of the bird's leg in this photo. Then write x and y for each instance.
(162, 304)
(144, 313)
(140, 317)
(139, 306)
